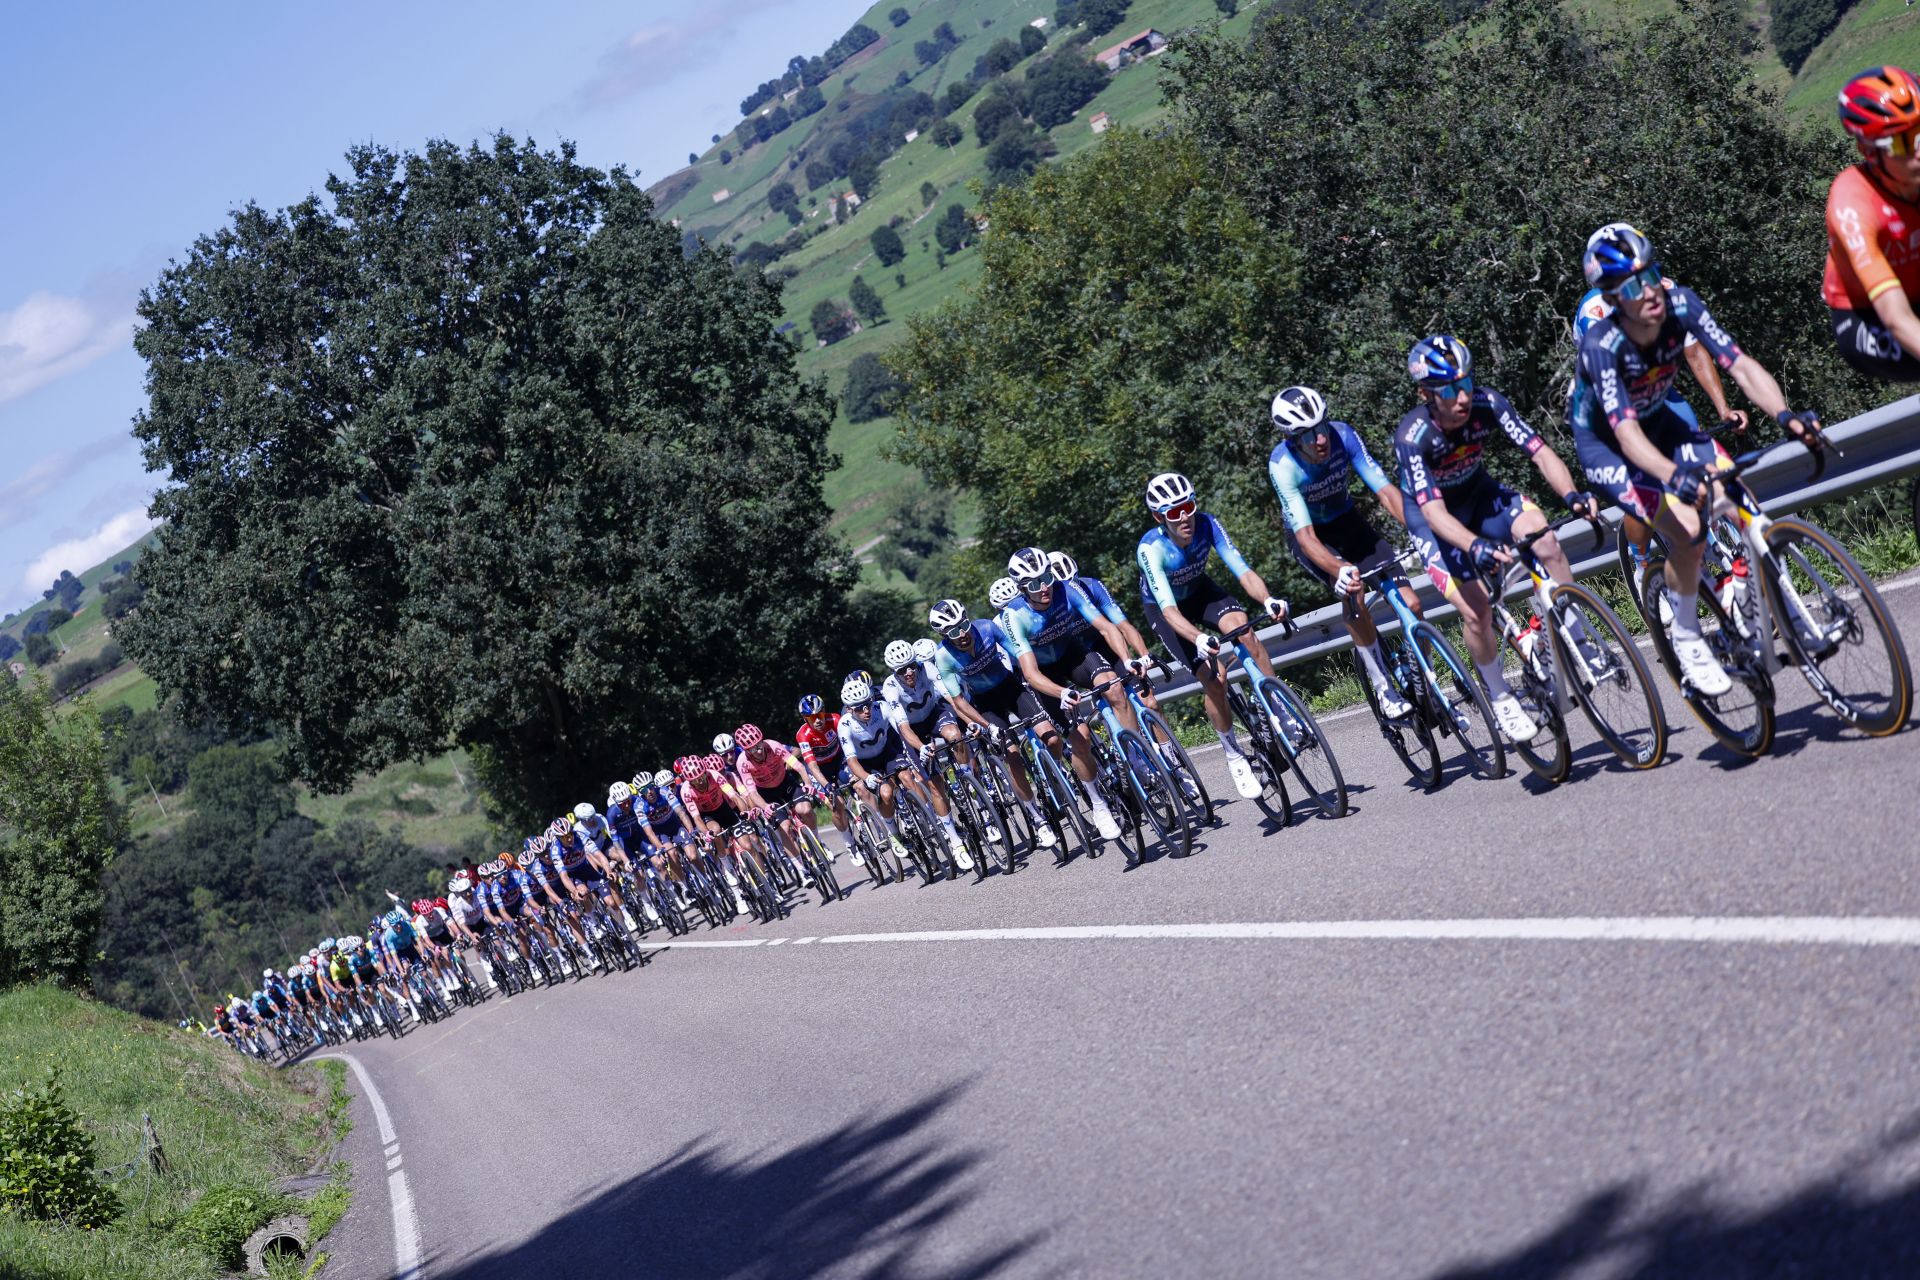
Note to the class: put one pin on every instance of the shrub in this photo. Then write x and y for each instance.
(46, 1160)
(220, 1221)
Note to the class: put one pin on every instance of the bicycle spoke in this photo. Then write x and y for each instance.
(1839, 629)
(1609, 677)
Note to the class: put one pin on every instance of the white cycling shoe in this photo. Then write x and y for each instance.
(1243, 779)
(1043, 837)
(1513, 718)
(961, 858)
(1392, 705)
(993, 834)
(1103, 823)
(1698, 668)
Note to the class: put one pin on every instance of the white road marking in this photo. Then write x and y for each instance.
(679, 943)
(774, 942)
(406, 1224)
(1845, 931)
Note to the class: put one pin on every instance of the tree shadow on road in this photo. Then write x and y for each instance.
(860, 1200)
(1850, 1224)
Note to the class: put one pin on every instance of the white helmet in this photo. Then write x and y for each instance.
(583, 811)
(924, 649)
(267, 974)
(899, 654)
(1064, 569)
(1029, 569)
(722, 743)
(459, 883)
(856, 693)
(1001, 593)
(1167, 490)
(619, 792)
(947, 615)
(1298, 409)
(664, 778)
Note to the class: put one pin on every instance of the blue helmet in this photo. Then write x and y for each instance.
(1616, 253)
(258, 994)
(1439, 359)
(812, 705)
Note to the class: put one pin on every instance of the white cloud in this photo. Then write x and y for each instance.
(20, 496)
(81, 554)
(654, 55)
(49, 336)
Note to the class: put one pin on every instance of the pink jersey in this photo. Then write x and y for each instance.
(709, 801)
(768, 774)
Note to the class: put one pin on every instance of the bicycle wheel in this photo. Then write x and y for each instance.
(1741, 719)
(992, 854)
(819, 865)
(870, 836)
(1056, 798)
(1160, 737)
(1838, 628)
(1307, 747)
(1459, 704)
(1410, 736)
(919, 830)
(1267, 760)
(1017, 823)
(1548, 754)
(1158, 795)
(1608, 677)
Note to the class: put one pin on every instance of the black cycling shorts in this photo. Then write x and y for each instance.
(1079, 668)
(1350, 536)
(789, 789)
(1867, 344)
(1004, 703)
(1205, 605)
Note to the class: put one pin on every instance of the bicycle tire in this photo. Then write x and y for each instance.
(1548, 755)
(824, 881)
(1270, 772)
(1313, 757)
(1057, 803)
(870, 836)
(1421, 756)
(992, 855)
(1489, 761)
(1744, 729)
(1007, 800)
(916, 823)
(1158, 794)
(1160, 736)
(1624, 667)
(1871, 711)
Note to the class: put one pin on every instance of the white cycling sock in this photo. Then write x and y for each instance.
(1494, 677)
(1686, 614)
(846, 839)
(1369, 655)
(1230, 743)
(1096, 801)
(947, 822)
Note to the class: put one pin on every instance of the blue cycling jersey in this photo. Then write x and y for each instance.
(625, 816)
(1621, 380)
(1168, 570)
(1314, 493)
(986, 667)
(659, 808)
(1045, 632)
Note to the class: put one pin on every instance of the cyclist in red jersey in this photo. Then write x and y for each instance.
(821, 753)
(1873, 228)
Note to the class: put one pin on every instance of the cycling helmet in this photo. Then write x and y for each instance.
(1168, 490)
(1064, 569)
(328, 944)
(899, 654)
(1001, 593)
(924, 649)
(267, 974)
(722, 743)
(947, 615)
(422, 906)
(812, 704)
(258, 994)
(717, 763)
(558, 827)
(748, 736)
(686, 766)
(459, 884)
(1879, 105)
(583, 811)
(1298, 409)
(663, 779)
(1615, 253)
(1029, 569)
(860, 673)
(619, 793)
(856, 693)
(1439, 359)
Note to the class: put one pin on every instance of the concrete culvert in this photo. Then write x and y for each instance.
(282, 1238)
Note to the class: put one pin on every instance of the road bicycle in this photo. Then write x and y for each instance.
(1139, 788)
(763, 895)
(1443, 693)
(978, 815)
(1159, 734)
(1766, 578)
(1571, 648)
(1053, 790)
(1283, 731)
(813, 854)
(920, 831)
(871, 839)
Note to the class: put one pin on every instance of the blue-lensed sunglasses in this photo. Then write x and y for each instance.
(1641, 282)
(1462, 385)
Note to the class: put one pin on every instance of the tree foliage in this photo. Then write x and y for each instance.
(898, 17)
(405, 431)
(954, 230)
(41, 651)
(58, 831)
(9, 646)
(67, 589)
(1062, 85)
(866, 302)
(831, 321)
(1100, 16)
(886, 245)
(1031, 41)
(870, 390)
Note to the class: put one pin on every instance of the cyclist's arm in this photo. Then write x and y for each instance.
(1308, 539)
(1554, 471)
(964, 709)
(1250, 582)
(1090, 612)
(1895, 310)
(1394, 501)
(1444, 526)
(1707, 374)
(1030, 669)
(1759, 385)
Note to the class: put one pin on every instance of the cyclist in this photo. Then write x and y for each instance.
(818, 740)
(769, 774)
(914, 692)
(716, 806)
(975, 670)
(666, 825)
(513, 903)
(581, 866)
(1312, 470)
(875, 750)
(1040, 628)
(607, 856)
(399, 940)
(1873, 263)
(1633, 446)
(1067, 570)
(1001, 594)
(1459, 516)
(1180, 598)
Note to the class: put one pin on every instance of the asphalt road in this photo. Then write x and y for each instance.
(1523, 1105)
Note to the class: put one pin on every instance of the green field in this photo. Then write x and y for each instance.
(1872, 32)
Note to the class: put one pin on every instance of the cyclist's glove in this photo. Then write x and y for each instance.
(1068, 698)
(1485, 554)
(1276, 607)
(1582, 503)
(926, 754)
(1688, 482)
(1803, 425)
(1349, 579)
(1209, 645)
(873, 782)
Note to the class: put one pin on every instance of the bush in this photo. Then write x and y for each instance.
(220, 1221)
(41, 651)
(57, 617)
(831, 320)
(1800, 25)
(47, 1159)
(8, 647)
(898, 17)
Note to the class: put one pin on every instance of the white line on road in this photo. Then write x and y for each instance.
(406, 1224)
(1838, 931)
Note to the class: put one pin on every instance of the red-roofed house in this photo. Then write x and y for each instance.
(1132, 49)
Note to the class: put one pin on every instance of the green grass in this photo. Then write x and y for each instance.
(1872, 32)
(220, 1118)
(433, 803)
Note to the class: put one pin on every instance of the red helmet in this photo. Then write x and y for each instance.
(1879, 105)
(687, 766)
(748, 736)
(422, 906)
(440, 904)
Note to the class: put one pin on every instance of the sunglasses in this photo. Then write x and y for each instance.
(1899, 144)
(1180, 510)
(1461, 386)
(1639, 284)
(956, 633)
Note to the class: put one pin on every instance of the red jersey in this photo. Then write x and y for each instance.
(820, 746)
(1873, 243)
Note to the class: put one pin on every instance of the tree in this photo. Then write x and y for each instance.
(899, 282)
(899, 17)
(863, 174)
(866, 301)
(946, 134)
(1012, 156)
(953, 230)
(726, 156)
(1061, 86)
(41, 651)
(58, 831)
(919, 532)
(693, 157)
(67, 589)
(870, 390)
(8, 647)
(956, 96)
(1001, 57)
(886, 246)
(1798, 26)
(831, 321)
(241, 787)
(395, 559)
(779, 119)
(819, 174)
(1099, 16)
(928, 194)
(781, 198)
(1227, 8)
(1031, 41)
(58, 617)
(993, 115)
(808, 101)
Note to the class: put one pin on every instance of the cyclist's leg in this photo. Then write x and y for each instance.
(1869, 346)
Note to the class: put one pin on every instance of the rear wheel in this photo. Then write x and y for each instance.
(1410, 736)
(1056, 796)
(1159, 736)
(1267, 760)
(1157, 793)
(1838, 628)
(1018, 823)
(1742, 718)
(1608, 677)
(1311, 755)
(1459, 704)
(1548, 754)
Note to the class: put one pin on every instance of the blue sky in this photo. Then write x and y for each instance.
(138, 127)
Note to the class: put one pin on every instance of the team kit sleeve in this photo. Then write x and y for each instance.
(1151, 557)
(1369, 471)
(1513, 424)
(1223, 545)
(1014, 628)
(948, 672)
(1285, 476)
(1600, 370)
(1104, 599)
(1699, 323)
(1410, 446)
(1853, 229)
(1082, 602)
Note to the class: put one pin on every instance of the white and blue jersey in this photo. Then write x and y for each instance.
(1169, 572)
(967, 675)
(1317, 493)
(595, 831)
(1592, 309)
(1048, 634)
(918, 704)
(878, 740)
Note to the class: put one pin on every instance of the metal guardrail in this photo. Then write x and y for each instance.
(1882, 444)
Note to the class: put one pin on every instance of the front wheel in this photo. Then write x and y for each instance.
(1156, 792)
(1178, 765)
(1410, 736)
(1307, 748)
(1057, 803)
(1458, 704)
(1608, 677)
(1838, 628)
(1742, 718)
(1549, 753)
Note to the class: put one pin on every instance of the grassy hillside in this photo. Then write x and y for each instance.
(1872, 32)
(221, 1119)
